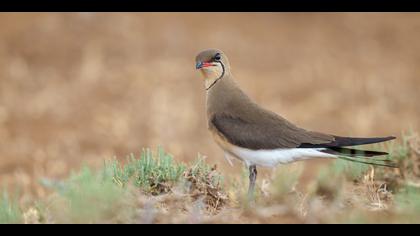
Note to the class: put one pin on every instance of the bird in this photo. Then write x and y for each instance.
(259, 137)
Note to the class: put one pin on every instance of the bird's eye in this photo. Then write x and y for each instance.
(217, 57)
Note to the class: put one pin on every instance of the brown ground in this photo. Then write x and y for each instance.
(84, 87)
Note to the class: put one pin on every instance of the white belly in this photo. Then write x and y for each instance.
(271, 158)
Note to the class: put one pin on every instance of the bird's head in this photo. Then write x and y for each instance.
(213, 65)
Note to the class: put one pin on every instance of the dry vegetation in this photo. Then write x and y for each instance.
(78, 89)
(154, 188)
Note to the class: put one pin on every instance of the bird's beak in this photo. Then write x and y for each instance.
(200, 65)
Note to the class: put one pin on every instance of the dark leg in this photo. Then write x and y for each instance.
(252, 180)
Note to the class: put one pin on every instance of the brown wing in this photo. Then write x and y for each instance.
(270, 131)
(264, 131)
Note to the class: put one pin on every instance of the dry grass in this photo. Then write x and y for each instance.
(145, 190)
(77, 88)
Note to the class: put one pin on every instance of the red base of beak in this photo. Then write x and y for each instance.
(203, 65)
(206, 64)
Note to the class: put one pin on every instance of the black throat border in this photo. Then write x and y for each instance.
(221, 76)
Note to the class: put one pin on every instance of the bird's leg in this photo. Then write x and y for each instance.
(252, 180)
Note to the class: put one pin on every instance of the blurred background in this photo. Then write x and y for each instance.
(80, 88)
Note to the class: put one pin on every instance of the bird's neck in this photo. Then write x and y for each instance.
(210, 82)
(224, 95)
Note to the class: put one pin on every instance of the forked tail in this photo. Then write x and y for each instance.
(360, 156)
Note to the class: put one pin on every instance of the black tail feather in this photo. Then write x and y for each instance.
(353, 152)
(360, 156)
(386, 163)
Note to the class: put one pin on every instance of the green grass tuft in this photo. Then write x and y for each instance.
(86, 197)
(9, 210)
(152, 173)
(112, 193)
